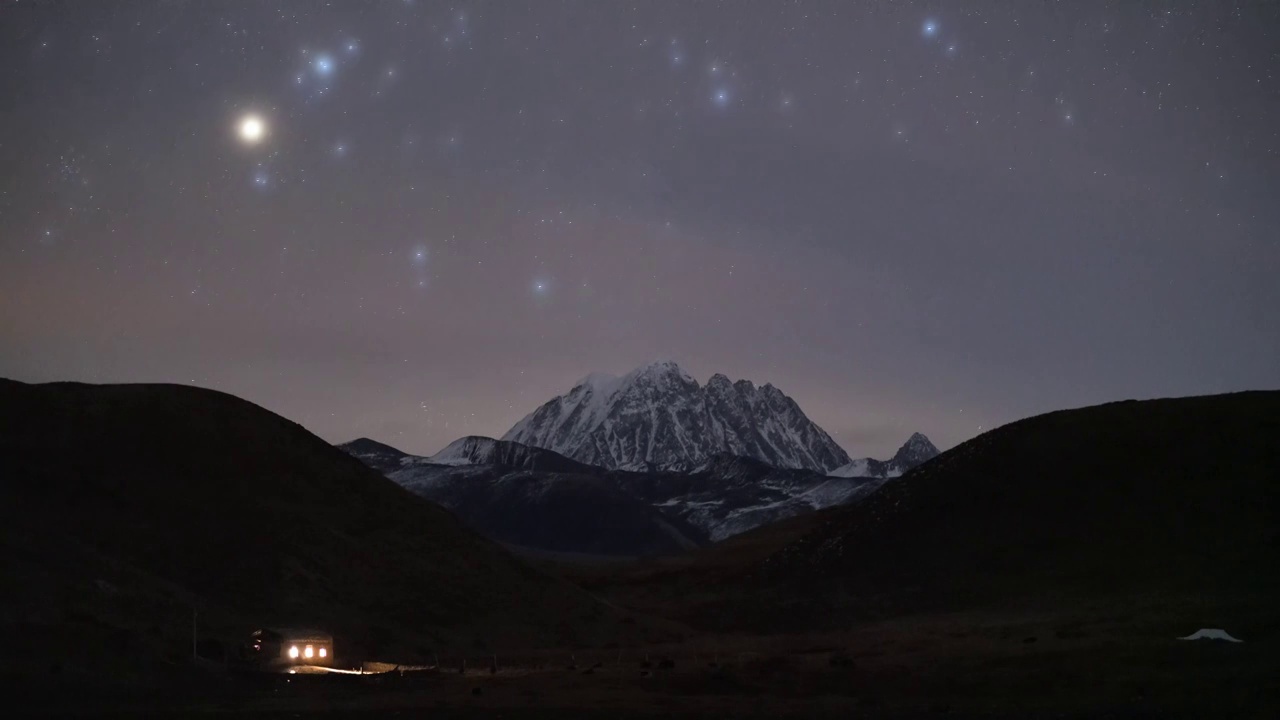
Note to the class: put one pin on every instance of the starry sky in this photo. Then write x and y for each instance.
(419, 220)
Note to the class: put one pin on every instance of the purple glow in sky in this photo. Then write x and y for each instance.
(908, 216)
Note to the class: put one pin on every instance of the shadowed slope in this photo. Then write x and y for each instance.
(1178, 494)
(1133, 498)
(126, 506)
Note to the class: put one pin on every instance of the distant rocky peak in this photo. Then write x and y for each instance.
(379, 456)
(720, 380)
(916, 450)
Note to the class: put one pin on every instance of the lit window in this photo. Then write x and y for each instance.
(293, 651)
(309, 651)
(324, 653)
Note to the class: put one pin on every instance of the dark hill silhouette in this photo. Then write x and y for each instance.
(126, 506)
(1176, 496)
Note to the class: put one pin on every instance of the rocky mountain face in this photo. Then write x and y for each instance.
(729, 495)
(477, 450)
(658, 418)
(917, 450)
(549, 510)
(538, 499)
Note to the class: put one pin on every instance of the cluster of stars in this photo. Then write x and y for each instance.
(405, 153)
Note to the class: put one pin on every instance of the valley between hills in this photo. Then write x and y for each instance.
(1044, 568)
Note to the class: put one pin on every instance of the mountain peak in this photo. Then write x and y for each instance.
(660, 366)
(661, 369)
(364, 444)
(380, 456)
(658, 417)
(916, 450)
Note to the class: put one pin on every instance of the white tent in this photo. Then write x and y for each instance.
(1211, 634)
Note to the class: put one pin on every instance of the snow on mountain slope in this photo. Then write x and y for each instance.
(549, 510)
(478, 450)
(376, 455)
(915, 451)
(539, 499)
(657, 417)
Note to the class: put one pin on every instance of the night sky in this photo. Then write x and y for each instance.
(908, 216)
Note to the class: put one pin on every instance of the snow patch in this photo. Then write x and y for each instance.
(1211, 634)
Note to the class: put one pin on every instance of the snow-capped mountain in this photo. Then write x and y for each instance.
(657, 417)
(915, 451)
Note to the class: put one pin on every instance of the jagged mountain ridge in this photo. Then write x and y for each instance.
(657, 417)
(917, 450)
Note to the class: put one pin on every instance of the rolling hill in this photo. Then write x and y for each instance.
(1159, 498)
(126, 508)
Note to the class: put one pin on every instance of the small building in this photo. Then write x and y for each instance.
(283, 648)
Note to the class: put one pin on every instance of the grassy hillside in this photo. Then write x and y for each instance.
(1177, 496)
(126, 507)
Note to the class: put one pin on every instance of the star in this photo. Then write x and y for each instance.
(930, 28)
(323, 65)
(252, 129)
(721, 97)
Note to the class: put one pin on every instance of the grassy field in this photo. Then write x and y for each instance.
(1112, 659)
(1041, 570)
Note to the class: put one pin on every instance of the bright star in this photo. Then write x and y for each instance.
(930, 28)
(721, 97)
(323, 65)
(252, 129)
